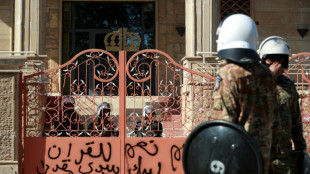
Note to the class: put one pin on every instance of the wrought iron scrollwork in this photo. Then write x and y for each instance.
(61, 101)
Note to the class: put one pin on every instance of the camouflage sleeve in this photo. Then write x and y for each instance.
(297, 129)
(225, 98)
(276, 130)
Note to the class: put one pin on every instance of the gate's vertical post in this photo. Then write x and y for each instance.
(122, 107)
(20, 126)
(25, 105)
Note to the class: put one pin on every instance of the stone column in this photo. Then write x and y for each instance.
(201, 21)
(190, 27)
(34, 26)
(210, 22)
(18, 25)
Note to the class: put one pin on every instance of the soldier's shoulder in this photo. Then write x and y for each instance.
(229, 66)
(287, 80)
(232, 71)
(232, 68)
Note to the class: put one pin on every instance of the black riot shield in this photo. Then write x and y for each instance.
(306, 163)
(218, 147)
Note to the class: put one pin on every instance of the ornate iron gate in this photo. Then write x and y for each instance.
(64, 131)
(299, 67)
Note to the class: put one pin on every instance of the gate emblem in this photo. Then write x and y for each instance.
(128, 41)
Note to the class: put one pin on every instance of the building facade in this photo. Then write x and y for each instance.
(36, 35)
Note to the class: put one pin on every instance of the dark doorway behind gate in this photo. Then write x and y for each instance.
(86, 25)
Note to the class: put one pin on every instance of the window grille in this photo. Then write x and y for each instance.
(229, 7)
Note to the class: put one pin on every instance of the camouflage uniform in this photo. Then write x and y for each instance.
(245, 94)
(291, 125)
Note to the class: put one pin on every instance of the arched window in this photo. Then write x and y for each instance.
(229, 7)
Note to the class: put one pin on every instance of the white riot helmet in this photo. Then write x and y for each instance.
(103, 106)
(238, 39)
(148, 110)
(275, 47)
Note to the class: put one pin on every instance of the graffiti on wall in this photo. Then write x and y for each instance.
(101, 155)
(92, 158)
(150, 150)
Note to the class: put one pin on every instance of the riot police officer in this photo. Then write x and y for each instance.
(245, 90)
(150, 127)
(274, 52)
(104, 122)
(68, 122)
